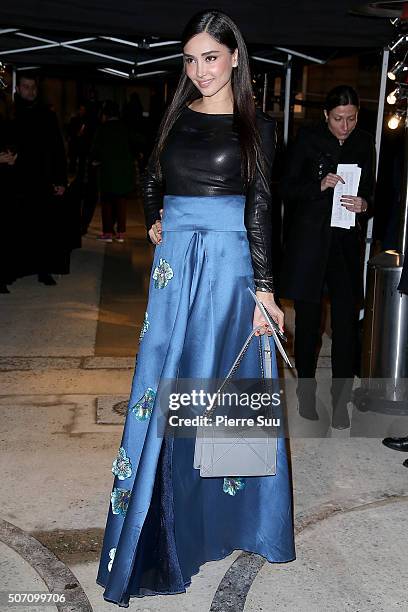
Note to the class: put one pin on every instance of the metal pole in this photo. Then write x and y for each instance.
(310, 58)
(400, 355)
(13, 82)
(267, 61)
(381, 102)
(159, 59)
(265, 88)
(287, 100)
(131, 43)
(378, 136)
(286, 118)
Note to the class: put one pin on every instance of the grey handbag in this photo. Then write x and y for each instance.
(230, 451)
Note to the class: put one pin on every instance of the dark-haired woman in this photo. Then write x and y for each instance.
(212, 163)
(318, 255)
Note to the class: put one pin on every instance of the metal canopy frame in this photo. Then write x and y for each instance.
(73, 45)
(126, 75)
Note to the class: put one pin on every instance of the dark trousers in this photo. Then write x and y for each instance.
(344, 322)
(44, 229)
(87, 189)
(113, 211)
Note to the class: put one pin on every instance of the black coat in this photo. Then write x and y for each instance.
(9, 211)
(41, 164)
(41, 161)
(315, 153)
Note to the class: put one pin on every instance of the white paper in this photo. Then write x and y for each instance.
(341, 217)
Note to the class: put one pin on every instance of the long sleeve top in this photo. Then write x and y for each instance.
(202, 157)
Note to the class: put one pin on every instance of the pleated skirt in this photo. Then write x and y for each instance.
(164, 519)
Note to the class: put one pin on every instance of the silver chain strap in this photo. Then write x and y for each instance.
(236, 364)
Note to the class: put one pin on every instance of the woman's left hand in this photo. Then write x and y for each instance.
(277, 315)
(354, 203)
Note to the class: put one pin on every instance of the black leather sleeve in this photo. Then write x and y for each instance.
(153, 191)
(258, 209)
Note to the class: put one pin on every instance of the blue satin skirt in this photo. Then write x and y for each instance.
(164, 519)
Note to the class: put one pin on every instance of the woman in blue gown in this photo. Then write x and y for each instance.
(207, 204)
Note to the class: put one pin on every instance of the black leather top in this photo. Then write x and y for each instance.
(202, 158)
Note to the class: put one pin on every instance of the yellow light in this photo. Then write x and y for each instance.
(394, 122)
(397, 69)
(392, 97)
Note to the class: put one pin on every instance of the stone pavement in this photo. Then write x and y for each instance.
(66, 364)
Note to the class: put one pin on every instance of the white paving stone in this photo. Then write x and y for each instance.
(17, 576)
(353, 561)
(197, 598)
(54, 321)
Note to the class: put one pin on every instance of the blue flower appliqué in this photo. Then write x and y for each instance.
(111, 557)
(143, 408)
(233, 485)
(162, 274)
(120, 500)
(145, 326)
(122, 467)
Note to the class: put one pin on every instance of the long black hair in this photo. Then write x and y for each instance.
(342, 95)
(222, 28)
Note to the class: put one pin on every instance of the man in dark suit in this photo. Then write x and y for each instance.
(40, 181)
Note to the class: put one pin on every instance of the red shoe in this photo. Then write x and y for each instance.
(120, 237)
(105, 237)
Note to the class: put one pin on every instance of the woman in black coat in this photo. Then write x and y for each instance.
(318, 255)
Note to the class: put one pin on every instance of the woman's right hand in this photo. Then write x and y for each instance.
(155, 232)
(330, 180)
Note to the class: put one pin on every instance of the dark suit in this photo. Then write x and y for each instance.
(315, 254)
(40, 165)
(9, 213)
